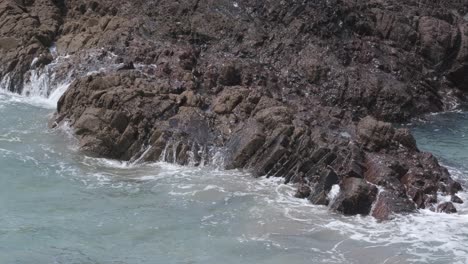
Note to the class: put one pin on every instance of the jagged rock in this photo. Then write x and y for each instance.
(388, 204)
(356, 197)
(454, 187)
(374, 134)
(229, 75)
(297, 89)
(189, 98)
(437, 38)
(27, 30)
(127, 66)
(228, 100)
(248, 140)
(447, 208)
(302, 192)
(456, 199)
(323, 186)
(404, 137)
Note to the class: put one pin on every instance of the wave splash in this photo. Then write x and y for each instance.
(44, 85)
(274, 217)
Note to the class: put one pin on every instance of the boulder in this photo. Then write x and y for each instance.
(447, 208)
(456, 199)
(356, 197)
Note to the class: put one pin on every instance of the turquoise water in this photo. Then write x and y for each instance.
(58, 206)
(445, 135)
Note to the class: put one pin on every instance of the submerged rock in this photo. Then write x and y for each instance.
(299, 90)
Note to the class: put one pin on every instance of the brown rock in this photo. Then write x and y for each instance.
(388, 204)
(244, 144)
(227, 101)
(374, 134)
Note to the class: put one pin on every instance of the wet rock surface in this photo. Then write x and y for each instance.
(300, 90)
(27, 30)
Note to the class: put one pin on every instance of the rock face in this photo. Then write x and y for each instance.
(300, 90)
(27, 30)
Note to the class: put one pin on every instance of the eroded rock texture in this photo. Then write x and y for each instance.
(295, 89)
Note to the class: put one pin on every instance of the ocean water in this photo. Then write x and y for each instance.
(59, 206)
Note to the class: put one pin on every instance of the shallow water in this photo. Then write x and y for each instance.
(58, 206)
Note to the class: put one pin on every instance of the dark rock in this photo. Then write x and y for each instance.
(454, 187)
(447, 208)
(319, 197)
(356, 197)
(375, 135)
(243, 144)
(229, 75)
(127, 66)
(388, 204)
(404, 137)
(322, 187)
(437, 38)
(187, 60)
(456, 199)
(302, 192)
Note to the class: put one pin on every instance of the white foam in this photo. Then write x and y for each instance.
(34, 61)
(40, 91)
(47, 84)
(275, 213)
(335, 190)
(37, 101)
(8, 137)
(108, 163)
(422, 237)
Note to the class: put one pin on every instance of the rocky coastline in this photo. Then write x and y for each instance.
(304, 90)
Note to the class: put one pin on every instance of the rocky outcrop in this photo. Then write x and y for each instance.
(300, 90)
(129, 115)
(27, 30)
